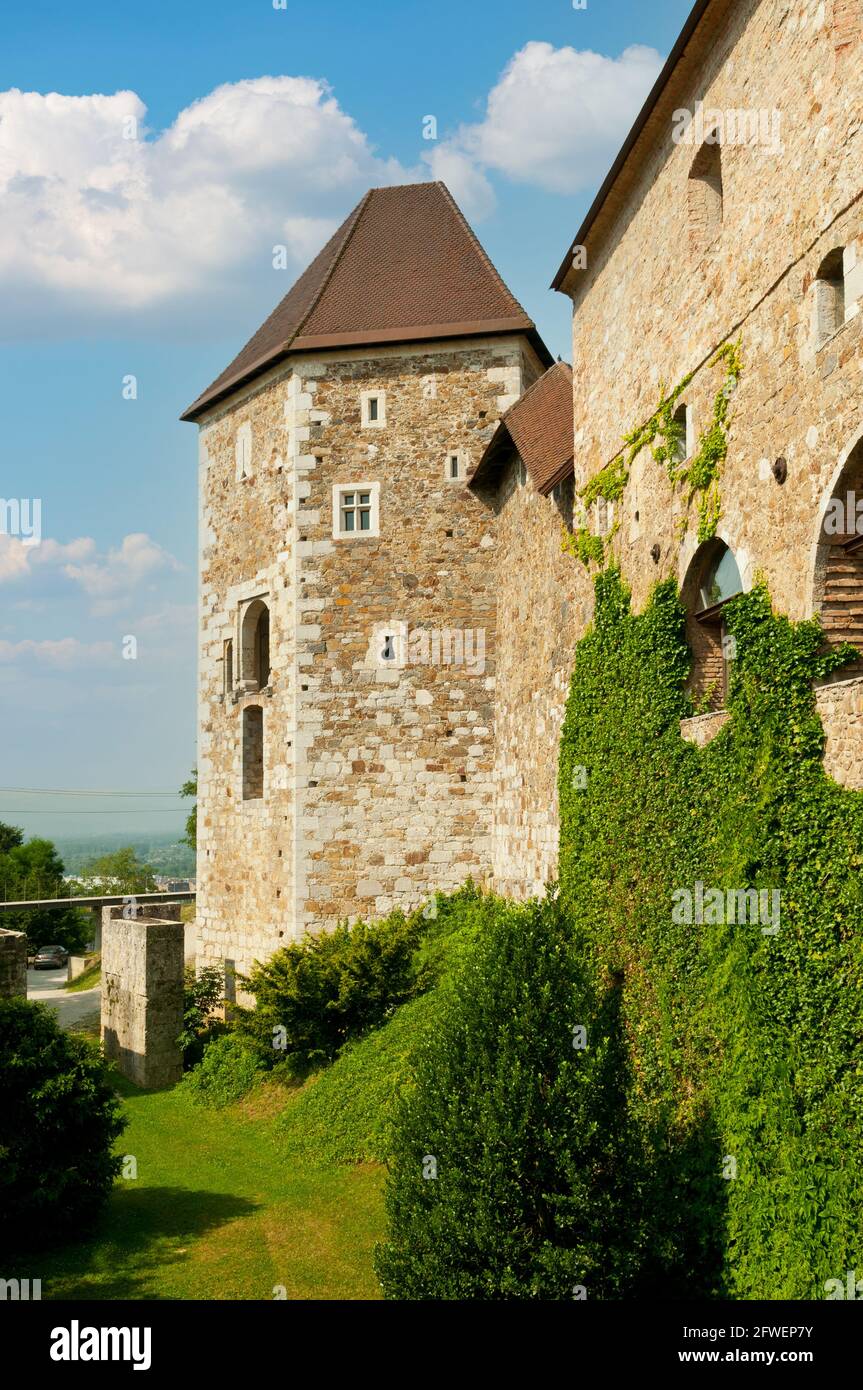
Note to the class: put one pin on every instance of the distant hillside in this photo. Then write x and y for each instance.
(164, 852)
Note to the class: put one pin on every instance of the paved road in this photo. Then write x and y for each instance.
(47, 986)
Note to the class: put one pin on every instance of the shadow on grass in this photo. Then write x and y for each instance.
(134, 1238)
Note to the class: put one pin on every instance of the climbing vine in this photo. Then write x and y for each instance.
(662, 434)
(745, 1042)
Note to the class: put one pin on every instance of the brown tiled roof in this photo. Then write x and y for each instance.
(539, 427)
(403, 267)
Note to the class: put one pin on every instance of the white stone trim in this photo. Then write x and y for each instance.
(381, 398)
(462, 463)
(374, 490)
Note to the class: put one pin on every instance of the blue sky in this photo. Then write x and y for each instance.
(148, 167)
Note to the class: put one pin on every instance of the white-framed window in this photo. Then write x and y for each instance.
(356, 510)
(373, 409)
(243, 451)
(455, 468)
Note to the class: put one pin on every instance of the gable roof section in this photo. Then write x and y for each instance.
(403, 267)
(539, 427)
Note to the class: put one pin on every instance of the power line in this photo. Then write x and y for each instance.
(132, 811)
(77, 791)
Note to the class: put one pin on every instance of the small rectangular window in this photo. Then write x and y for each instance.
(373, 409)
(355, 509)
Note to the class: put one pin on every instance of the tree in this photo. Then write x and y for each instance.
(35, 870)
(190, 788)
(116, 873)
(59, 1119)
(10, 836)
(514, 1173)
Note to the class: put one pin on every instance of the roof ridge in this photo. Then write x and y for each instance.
(346, 241)
(479, 246)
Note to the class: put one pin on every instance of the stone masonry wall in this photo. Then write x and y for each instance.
(13, 964)
(544, 603)
(652, 307)
(377, 775)
(654, 304)
(142, 997)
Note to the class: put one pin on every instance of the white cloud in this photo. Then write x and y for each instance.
(64, 653)
(109, 579)
(555, 118)
(18, 560)
(97, 226)
(98, 222)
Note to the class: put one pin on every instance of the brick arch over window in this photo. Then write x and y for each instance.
(255, 646)
(711, 580)
(838, 585)
(704, 197)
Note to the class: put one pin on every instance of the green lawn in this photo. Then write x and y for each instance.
(220, 1211)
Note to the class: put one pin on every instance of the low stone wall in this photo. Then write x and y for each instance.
(13, 964)
(78, 964)
(142, 996)
(840, 706)
(701, 728)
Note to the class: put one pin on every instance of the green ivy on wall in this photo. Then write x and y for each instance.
(745, 1043)
(663, 434)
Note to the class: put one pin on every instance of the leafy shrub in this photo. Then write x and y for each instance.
(59, 1118)
(506, 1180)
(202, 996)
(227, 1071)
(313, 996)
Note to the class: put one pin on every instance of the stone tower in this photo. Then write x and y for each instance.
(348, 582)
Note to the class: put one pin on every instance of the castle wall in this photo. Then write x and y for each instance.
(544, 603)
(378, 775)
(656, 302)
(654, 305)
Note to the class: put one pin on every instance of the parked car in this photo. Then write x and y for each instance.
(50, 957)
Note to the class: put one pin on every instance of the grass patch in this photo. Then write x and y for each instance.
(218, 1212)
(342, 1114)
(87, 979)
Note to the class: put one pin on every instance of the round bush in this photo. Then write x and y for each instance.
(59, 1119)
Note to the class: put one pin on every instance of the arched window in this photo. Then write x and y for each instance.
(680, 420)
(705, 197)
(829, 296)
(839, 561)
(255, 646)
(253, 753)
(713, 578)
